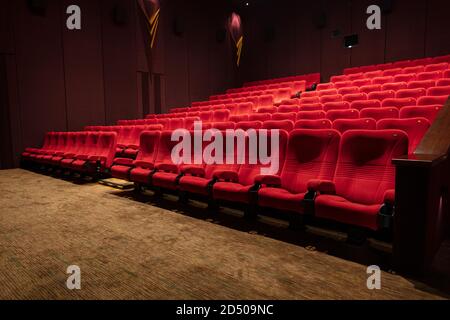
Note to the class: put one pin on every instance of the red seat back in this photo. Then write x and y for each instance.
(313, 124)
(343, 125)
(415, 128)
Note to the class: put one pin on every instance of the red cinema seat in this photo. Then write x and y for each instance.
(284, 116)
(411, 93)
(395, 86)
(325, 86)
(342, 114)
(382, 80)
(174, 123)
(441, 59)
(343, 84)
(434, 75)
(148, 147)
(287, 125)
(363, 104)
(206, 116)
(428, 112)
(234, 185)
(309, 94)
(311, 154)
(437, 67)
(71, 145)
(222, 126)
(415, 128)
(260, 117)
(198, 179)
(245, 125)
(189, 122)
(424, 84)
(57, 145)
(439, 91)
(80, 148)
(240, 118)
(381, 95)
(365, 178)
(373, 74)
(379, 113)
(443, 82)
(407, 77)
(163, 122)
(370, 88)
(331, 98)
(313, 124)
(336, 106)
(432, 100)
(329, 92)
(348, 90)
(339, 78)
(311, 107)
(343, 125)
(221, 115)
(268, 110)
(355, 76)
(398, 102)
(354, 97)
(98, 154)
(361, 82)
(244, 108)
(446, 74)
(265, 101)
(310, 115)
(392, 72)
(309, 100)
(288, 108)
(294, 101)
(413, 70)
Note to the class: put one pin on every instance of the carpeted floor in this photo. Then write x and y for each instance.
(127, 249)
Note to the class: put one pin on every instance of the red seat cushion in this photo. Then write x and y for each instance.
(197, 185)
(120, 172)
(166, 180)
(337, 208)
(231, 192)
(140, 175)
(280, 199)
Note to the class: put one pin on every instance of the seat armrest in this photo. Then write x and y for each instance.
(168, 167)
(271, 180)
(123, 161)
(322, 186)
(389, 196)
(226, 175)
(194, 171)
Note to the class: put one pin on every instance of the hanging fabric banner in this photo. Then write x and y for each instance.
(235, 26)
(151, 10)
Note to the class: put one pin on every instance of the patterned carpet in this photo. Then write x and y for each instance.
(129, 249)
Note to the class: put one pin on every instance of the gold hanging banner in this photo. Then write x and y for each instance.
(151, 19)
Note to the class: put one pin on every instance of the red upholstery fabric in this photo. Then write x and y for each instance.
(331, 98)
(395, 86)
(354, 97)
(311, 107)
(313, 124)
(434, 75)
(286, 125)
(245, 125)
(379, 113)
(415, 128)
(311, 154)
(411, 93)
(240, 118)
(428, 112)
(310, 115)
(424, 84)
(223, 125)
(343, 125)
(398, 102)
(381, 95)
(363, 104)
(439, 91)
(432, 100)
(288, 108)
(364, 173)
(383, 80)
(342, 114)
(342, 105)
(371, 88)
(348, 90)
(221, 115)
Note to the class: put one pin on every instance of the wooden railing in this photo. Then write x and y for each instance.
(422, 215)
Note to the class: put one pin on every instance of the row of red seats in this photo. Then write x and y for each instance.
(415, 128)
(232, 104)
(84, 152)
(295, 86)
(349, 181)
(233, 108)
(398, 64)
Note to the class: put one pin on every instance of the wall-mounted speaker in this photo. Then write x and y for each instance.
(37, 7)
(120, 15)
(320, 20)
(178, 27)
(221, 35)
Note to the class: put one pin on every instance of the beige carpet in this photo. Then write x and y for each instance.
(127, 249)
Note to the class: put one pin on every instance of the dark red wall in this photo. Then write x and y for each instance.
(414, 29)
(55, 79)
